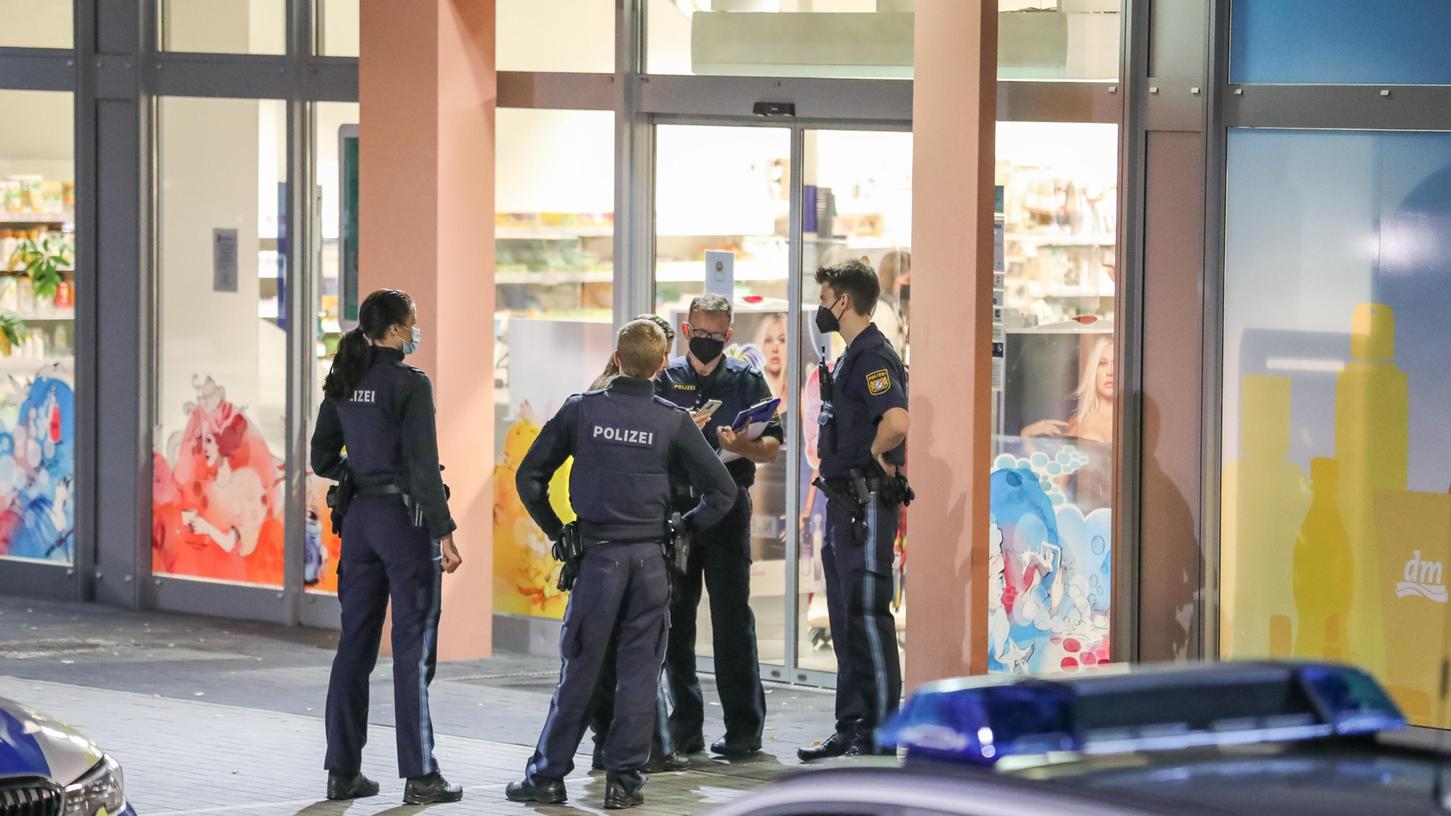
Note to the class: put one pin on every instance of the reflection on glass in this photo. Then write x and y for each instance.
(1051, 489)
(218, 469)
(337, 27)
(1336, 518)
(870, 39)
(37, 288)
(36, 24)
(224, 26)
(575, 36)
(858, 204)
(1340, 42)
(554, 238)
(322, 546)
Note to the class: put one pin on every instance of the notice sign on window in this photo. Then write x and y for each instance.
(224, 260)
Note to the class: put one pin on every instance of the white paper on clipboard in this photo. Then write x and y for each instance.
(752, 422)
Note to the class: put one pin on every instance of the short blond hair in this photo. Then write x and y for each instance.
(642, 348)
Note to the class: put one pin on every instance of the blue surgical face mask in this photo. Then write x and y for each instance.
(411, 346)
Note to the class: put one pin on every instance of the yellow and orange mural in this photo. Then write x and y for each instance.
(524, 570)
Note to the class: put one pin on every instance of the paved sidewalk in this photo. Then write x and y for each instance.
(219, 717)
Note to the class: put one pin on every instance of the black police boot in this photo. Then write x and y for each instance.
(341, 787)
(543, 791)
(735, 748)
(624, 791)
(694, 745)
(834, 746)
(865, 745)
(669, 763)
(432, 789)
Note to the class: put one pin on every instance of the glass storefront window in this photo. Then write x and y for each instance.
(728, 189)
(223, 26)
(37, 327)
(335, 183)
(337, 25)
(221, 392)
(554, 304)
(1336, 518)
(1340, 42)
(574, 36)
(1051, 489)
(857, 204)
(36, 24)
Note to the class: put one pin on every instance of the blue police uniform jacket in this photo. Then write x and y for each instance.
(624, 441)
(737, 384)
(388, 427)
(868, 381)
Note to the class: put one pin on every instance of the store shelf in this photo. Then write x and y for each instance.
(694, 271)
(553, 278)
(59, 316)
(1053, 240)
(551, 233)
(7, 218)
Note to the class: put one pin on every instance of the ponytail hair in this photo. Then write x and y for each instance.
(380, 312)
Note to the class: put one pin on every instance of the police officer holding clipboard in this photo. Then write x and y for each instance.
(624, 441)
(397, 540)
(862, 449)
(720, 557)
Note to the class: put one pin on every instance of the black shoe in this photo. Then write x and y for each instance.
(694, 745)
(670, 763)
(543, 791)
(732, 748)
(866, 746)
(834, 746)
(341, 787)
(618, 796)
(431, 790)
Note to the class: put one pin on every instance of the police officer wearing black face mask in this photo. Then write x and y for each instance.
(862, 446)
(397, 541)
(720, 557)
(625, 442)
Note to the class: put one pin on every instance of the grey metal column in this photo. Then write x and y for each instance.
(119, 339)
(634, 171)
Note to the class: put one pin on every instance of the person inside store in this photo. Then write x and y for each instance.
(625, 442)
(397, 541)
(862, 446)
(890, 318)
(663, 755)
(720, 560)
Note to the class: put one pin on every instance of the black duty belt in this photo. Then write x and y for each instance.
(380, 490)
(874, 485)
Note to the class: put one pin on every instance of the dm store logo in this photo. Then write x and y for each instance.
(1424, 578)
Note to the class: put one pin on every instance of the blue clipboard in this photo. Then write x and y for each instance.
(759, 413)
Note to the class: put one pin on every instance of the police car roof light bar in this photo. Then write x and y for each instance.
(981, 720)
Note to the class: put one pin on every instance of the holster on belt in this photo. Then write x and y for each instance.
(568, 550)
(339, 497)
(677, 551)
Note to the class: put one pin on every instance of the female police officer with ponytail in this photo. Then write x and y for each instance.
(397, 541)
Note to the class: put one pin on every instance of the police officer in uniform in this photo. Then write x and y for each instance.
(397, 542)
(624, 441)
(721, 556)
(861, 445)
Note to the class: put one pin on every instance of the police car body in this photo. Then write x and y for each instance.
(1220, 739)
(48, 768)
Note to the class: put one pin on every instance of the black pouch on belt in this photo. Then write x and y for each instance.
(339, 496)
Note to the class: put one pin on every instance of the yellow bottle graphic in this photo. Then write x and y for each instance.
(1266, 497)
(1372, 426)
(1324, 572)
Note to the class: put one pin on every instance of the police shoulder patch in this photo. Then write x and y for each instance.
(879, 382)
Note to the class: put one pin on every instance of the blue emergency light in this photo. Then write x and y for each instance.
(982, 720)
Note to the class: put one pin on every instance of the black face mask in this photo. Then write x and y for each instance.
(705, 349)
(826, 320)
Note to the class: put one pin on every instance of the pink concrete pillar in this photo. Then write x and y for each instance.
(953, 123)
(426, 206)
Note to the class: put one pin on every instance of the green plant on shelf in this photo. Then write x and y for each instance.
(44, 262)
(12, 333)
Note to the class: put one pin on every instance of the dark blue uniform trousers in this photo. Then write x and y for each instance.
(857, 560)
(621, 596)
(384, 556)
(720, 558)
